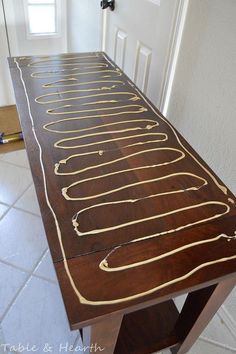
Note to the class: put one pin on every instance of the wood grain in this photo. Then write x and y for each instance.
(81, 255)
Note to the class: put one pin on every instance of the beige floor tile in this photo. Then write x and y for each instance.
(2, 343)
(179, 301)
(46, 269)
(217, 331)
(202, 347)
(18, 158)
(13, 182)
(78, 346)
(38, 317)
(12, 279)
(230, 308)
(22, 239)
(29, 201)
(3, 209)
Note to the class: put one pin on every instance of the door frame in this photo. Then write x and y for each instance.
(104, 30)
(12, 33)
(175, 44)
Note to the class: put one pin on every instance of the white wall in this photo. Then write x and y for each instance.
(6, 90)
(84, 25)
(203, 100)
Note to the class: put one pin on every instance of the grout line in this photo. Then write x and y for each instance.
(78, 337)
(14, 164)
(21, 195)
(227, 320)
(3, 261)
(19, 208)
(24, 270)
(46, 279)
(5, 212)
(17, 199)
(14, 204)
(218, 344)
(5, 204)
(30, 274)
(27, 211)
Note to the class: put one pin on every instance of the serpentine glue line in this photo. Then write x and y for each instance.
(37, 74)
(81, 298)
(182, 155)
(53, 111)
(134, 222)
(220, 186)
(140, 110)
(45, 59)
(133, 97)
(127, 186)
(64, 190)
(59, 143)
(104, 265)
(148, 126)
(59, 93)
(58, 71)
(75, 82)
(90, 65)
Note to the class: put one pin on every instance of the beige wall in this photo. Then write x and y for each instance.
(203, 100)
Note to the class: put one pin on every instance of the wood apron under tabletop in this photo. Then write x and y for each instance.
(133, 216)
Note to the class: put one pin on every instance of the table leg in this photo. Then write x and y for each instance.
(199, 308)
(103, 335)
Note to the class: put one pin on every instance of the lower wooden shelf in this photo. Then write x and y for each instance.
(148, 330)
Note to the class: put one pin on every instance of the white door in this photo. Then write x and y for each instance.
(31, 27)
(138, 38)
(46, 27)
(36, 27)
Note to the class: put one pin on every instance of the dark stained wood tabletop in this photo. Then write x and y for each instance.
(132, 214)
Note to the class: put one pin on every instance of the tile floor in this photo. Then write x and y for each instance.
(31, 307)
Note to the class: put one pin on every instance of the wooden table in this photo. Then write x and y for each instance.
(132, 214)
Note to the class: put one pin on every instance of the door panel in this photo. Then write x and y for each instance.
(138, 36)
(143, 59)
(120, 47)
